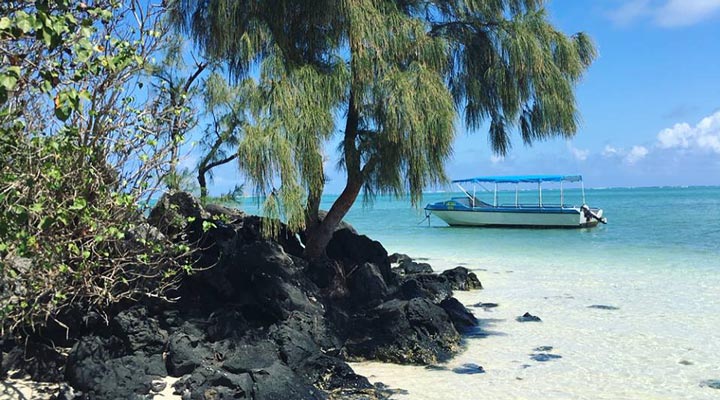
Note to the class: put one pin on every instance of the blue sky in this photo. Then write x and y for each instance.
(650, 104)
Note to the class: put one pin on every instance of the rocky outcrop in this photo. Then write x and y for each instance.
(259, 322)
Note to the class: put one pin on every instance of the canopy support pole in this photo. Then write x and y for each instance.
(561, 195)
(540, 193)
(516, 194)
(495, 196)
(473, 198)
(582, 185)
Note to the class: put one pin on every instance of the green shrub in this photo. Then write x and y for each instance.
(79, 158)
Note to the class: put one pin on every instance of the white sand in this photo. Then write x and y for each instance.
(25, 389)
(660, 344)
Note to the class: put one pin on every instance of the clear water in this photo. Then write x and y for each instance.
(657, 260)
(652, 227)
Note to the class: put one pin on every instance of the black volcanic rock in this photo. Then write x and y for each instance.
(410, 267)
(398, 257)
(367, 286)
(102, 368)
(433, 287)
(403, 331)
(461, 278)
(527, 317)
(461, 318)
(259, 322)
(352, 250)
(469, 369)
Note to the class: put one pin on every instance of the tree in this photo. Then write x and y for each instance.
(79, 160)
(400, 72)
(225, 106)
(175, 116)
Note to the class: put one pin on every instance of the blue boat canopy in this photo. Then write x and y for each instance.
(521, 179)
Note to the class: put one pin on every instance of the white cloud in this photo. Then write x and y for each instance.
(629, 157)
(705, 136)
(630, 11)
(636, 154)
(666, 13)
(579, 154)
(495, 159)
(685, 12)
(610, 151)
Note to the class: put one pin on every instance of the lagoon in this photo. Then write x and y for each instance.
(657, 261)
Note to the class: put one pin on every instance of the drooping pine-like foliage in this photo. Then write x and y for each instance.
(393, 77)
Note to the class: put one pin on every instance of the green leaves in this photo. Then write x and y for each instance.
(78, 204)
(71, 218)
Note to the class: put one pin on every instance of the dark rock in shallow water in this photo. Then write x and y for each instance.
(366, 285)
(469, 369)
(527, 317)
(459, 315)
(461, 278)
(685, 362)
(603, 307)
(486, 305)
(711, 383)
(543, 357)
(433, 367)
(543, 348)
(405, 332)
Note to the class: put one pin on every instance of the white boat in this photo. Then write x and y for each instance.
(471, 211)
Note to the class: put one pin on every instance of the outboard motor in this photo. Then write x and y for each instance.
(589, 215)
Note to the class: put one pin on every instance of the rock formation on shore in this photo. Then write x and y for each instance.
(258, 321)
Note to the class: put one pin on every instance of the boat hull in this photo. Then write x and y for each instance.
(521, 218)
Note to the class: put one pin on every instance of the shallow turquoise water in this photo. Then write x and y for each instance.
(647, 227)
(657, 260)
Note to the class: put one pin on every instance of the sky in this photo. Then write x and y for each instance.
(649, 105)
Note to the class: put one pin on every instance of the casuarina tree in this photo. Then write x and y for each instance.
(393, 77)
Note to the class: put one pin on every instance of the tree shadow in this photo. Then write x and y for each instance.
(9, 391)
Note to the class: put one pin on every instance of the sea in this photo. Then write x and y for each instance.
(630, 310)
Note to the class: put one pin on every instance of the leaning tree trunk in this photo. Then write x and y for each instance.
(319, 233)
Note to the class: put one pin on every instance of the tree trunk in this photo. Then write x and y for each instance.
(203, 184)
(319, 234)
(204, 167)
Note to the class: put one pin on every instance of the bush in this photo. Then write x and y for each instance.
(79, 159)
